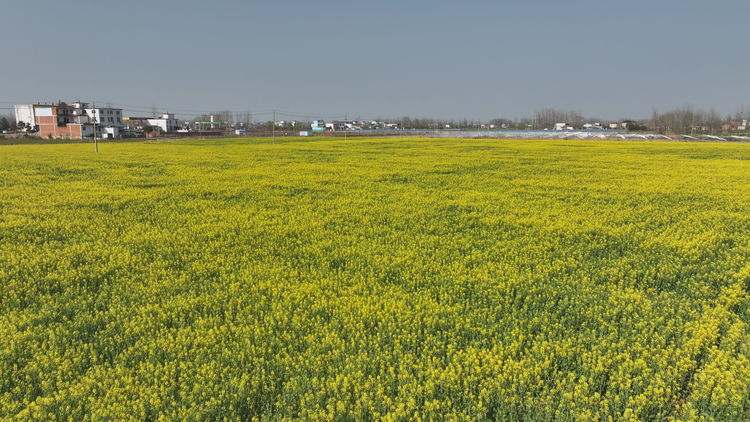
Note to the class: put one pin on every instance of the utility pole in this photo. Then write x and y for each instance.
(273, 127)
(93, 119)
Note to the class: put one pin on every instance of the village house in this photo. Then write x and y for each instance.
(71, 121)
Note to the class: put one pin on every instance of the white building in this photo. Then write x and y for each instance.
(25, 113)
(75, 121)
(336, 125)
(166, 123)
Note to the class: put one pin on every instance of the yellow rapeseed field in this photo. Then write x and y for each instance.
(380, 279)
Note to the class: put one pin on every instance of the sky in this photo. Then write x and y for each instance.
(473, 59)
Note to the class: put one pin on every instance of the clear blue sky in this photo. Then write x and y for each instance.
(472, 59)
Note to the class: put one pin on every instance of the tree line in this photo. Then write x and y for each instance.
(688, 119)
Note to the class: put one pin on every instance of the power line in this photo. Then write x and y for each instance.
(137, 108)
(184, 111)
(191, 113)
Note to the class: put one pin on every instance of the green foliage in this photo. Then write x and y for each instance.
(634, 126)
(388, 279)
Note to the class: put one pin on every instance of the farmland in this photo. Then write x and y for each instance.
(375, 279)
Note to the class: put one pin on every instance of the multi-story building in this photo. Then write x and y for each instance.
(318, 125)
(74, 121)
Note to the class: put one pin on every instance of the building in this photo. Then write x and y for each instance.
(734, 126)
(336, 125)
(318, 125)
(166, 123)
(596, 125)
(72, 121)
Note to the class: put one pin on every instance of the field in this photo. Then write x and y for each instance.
(380, 279)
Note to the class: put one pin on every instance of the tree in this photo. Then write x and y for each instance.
(635, 126)
(148, 128)
(224, 117)
(502, 123)
(713, 120)
(547, 117)
(740, 114)
(576, 119)
(243, 119)
(655, 121)
(4, 125)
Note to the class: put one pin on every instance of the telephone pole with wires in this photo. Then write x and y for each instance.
(93, 120)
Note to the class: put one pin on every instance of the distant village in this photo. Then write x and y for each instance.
(82, 120)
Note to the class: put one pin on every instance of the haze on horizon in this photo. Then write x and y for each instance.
(475, 59)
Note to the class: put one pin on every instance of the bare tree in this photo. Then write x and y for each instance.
(547, 117)
(576, 119)
(713, 120)
(687, 118)
(502, 123)
(740, 113)
(656, 123)
(223, 116)
(243, 119)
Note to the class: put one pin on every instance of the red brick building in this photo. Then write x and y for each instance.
(71, 121)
